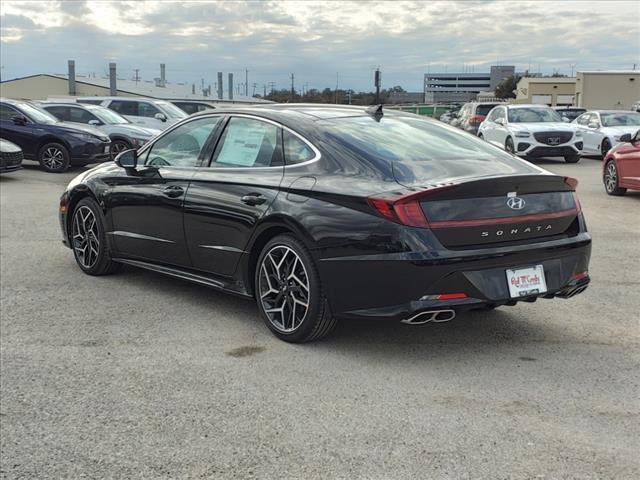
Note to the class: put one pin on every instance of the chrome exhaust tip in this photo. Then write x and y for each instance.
(434, 316)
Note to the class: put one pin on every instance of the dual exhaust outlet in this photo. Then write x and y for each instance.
(433, 316)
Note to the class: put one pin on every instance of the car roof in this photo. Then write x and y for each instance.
(126, 99)
(526, 105)
(611, 111)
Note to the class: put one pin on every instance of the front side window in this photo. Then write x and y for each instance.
(182, 146)
(79, 115)
(6, 112)
(247, 143)
(146, 110)
(583, 119)
(36, 114)
(295, 150)
(500, 114)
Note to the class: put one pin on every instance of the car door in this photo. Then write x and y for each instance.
(628, 162)
(227, 198)
(21, 134)
(501, 130)
(590, 133)
(486, 127)
(146, 202)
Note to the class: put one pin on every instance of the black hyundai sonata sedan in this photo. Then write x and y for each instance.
(326, 212)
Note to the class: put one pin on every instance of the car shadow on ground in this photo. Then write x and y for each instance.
(474, 330)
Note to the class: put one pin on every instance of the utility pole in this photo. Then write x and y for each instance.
(254, 85)
(572, 65)
(337, 81)
(137, 78)
(264, 95)
(376, 81)
(293, 92)
(246, 82)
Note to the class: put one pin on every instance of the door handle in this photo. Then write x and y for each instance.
(173, 191)
(253, 199)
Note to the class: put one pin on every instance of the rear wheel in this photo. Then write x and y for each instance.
(289, 293)
(605, 147)
(611, 179)
(54, 157)
(508, 145)
(88, 239)
(572, 158)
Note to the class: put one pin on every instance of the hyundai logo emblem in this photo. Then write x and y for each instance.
(515, 203)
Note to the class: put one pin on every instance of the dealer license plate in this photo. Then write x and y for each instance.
(526, 281)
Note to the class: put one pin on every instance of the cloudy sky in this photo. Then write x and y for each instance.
(316, 40)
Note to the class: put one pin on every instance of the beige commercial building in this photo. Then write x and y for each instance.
(617, 90)
(552, 91)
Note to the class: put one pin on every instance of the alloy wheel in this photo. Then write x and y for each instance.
(611, 177)
(118, 147)
(53, 158)
(283, 286)
(86, 243)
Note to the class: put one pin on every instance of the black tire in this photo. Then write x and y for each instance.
(610, 179)
(480, 136)
(316, 321)
(54, 157)
(572, 158)
(97, 259)
(508, 146)
(117, 146)
(605, 147)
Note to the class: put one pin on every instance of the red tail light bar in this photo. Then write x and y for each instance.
(476, 119)
(405, 209)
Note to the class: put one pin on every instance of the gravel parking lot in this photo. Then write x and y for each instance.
(139, 375)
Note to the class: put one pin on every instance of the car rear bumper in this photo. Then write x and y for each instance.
(399, 286)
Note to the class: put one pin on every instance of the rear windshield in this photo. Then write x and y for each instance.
(484, 109)
(421, 150)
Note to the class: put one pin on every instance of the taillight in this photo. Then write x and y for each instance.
(405, 209)
(572, 182)
(476, 119)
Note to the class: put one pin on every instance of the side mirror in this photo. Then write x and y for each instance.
(499, 121)
(95, 123)
(127, 159)
(593, 125)
(19, 120)
(160, 116)
(626, 138)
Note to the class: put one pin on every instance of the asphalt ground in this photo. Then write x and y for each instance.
(140, 375)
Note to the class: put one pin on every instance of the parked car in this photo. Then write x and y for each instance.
(472, 114)
(325, 212)
(10, 156)
(192, 106)
(621, 166)
(55, 145)
(124, 135)
(146, 112)
(532, 131)
(601, 129)
(449, 116)
(569, 113)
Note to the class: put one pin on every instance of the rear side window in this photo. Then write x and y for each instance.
(61, 113)
(484, 109)
(247, 143)
(124, 108)
(91, 102)
(295, 150)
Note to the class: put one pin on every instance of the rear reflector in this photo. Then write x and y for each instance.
(579, 276)
(451, 296)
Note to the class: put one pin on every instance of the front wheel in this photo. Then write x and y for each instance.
(289, 292)
(508, 146)
(605, 147)
(572, 158)
(118, 146)
(88, 239)
(611, 179)
(54, 157)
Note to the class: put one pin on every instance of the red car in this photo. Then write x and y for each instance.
(621, 166)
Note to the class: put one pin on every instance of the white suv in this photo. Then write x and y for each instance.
(146, 112)
(532, 131)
